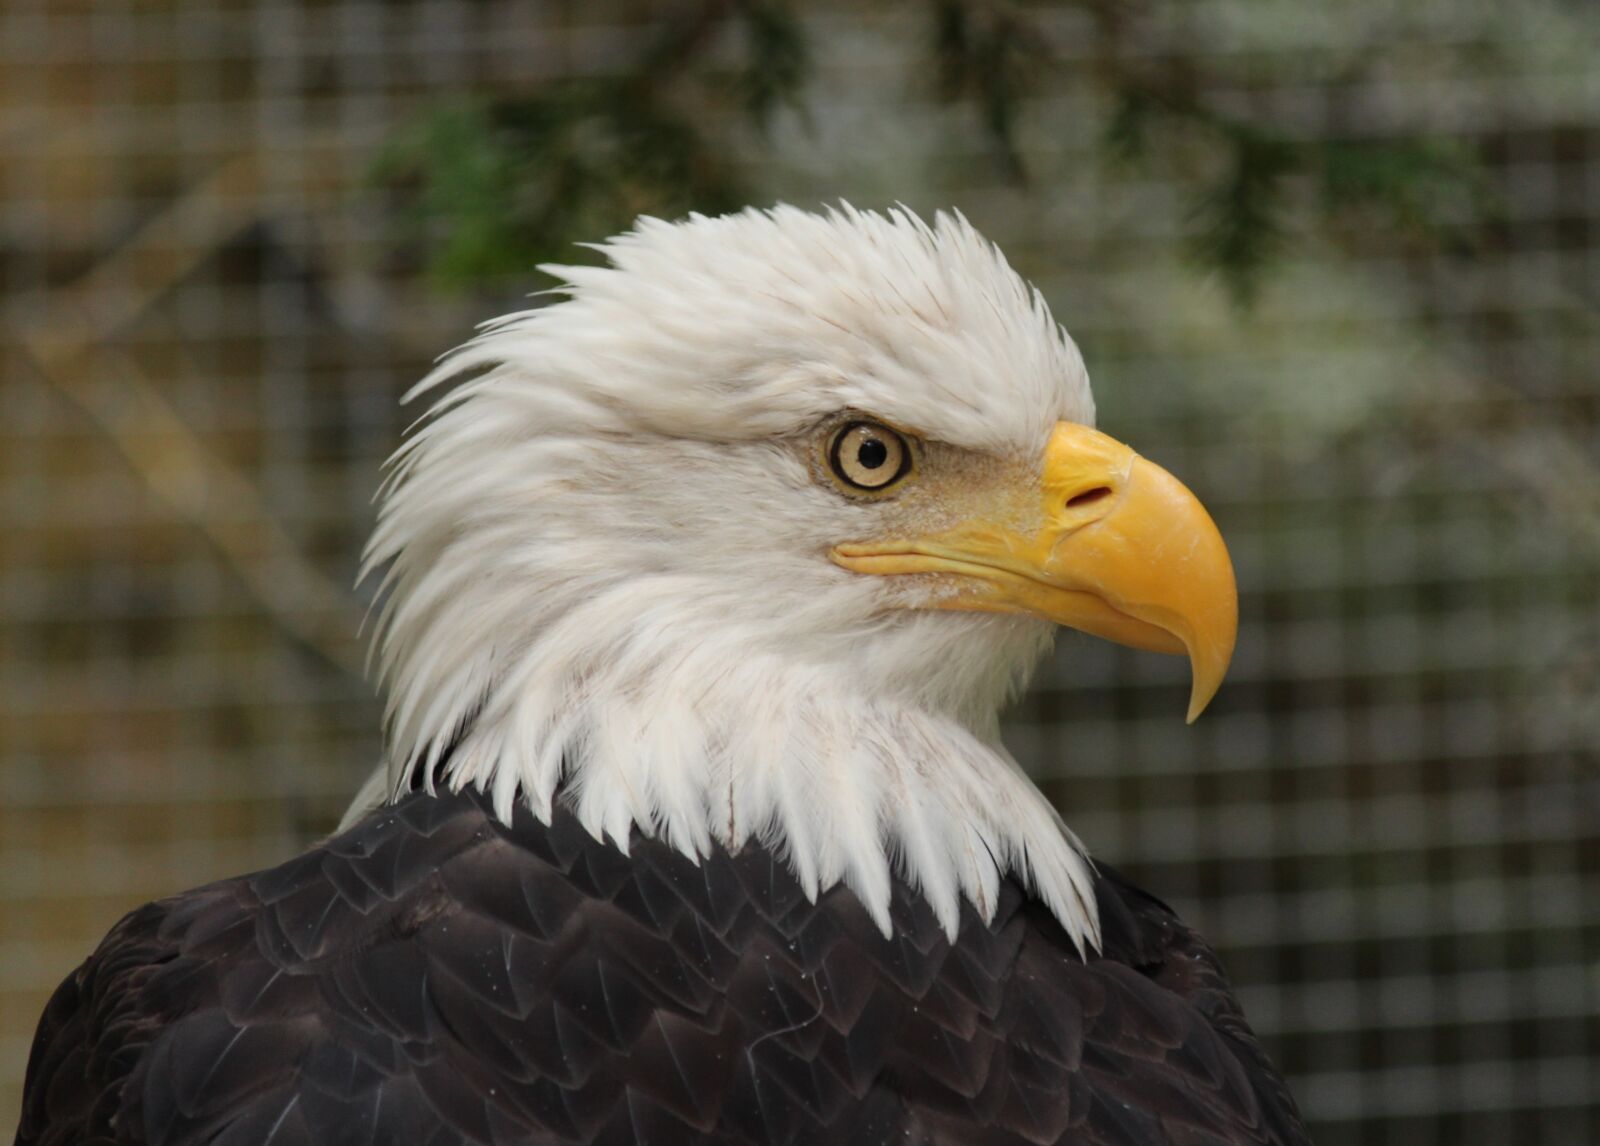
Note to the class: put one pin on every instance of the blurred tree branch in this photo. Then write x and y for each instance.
(76, 353)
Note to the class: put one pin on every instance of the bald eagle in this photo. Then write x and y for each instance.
(702, 589)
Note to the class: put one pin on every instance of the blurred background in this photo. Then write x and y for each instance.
(1337, 265)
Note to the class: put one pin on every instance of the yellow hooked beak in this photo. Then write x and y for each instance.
(1117, 547)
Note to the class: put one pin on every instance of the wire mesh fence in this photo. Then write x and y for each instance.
(1388, 820)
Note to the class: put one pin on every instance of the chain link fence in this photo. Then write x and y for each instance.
(1388, 819)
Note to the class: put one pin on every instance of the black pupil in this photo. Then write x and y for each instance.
(873, 453)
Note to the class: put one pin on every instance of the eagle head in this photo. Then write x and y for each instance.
(754, 533)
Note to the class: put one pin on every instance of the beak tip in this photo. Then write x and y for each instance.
(1198, 702)
(1207, 675)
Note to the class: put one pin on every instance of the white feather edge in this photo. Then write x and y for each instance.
(847, 790)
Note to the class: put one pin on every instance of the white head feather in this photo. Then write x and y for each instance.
(607, 561)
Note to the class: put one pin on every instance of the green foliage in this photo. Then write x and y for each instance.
(1239, 218)
(1127, 133)
(779, 59)
(1254, 187)
(1429, 188)
(496, 187)
(991, 55)
(498, 184)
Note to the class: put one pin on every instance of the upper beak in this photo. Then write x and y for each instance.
(1117, 547)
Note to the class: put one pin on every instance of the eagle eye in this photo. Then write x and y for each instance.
(868, 456)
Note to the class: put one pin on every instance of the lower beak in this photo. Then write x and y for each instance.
(1119, 549)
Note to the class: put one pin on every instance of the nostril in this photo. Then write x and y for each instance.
(1088, 497)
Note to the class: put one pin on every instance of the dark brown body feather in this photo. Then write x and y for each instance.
(433, 976)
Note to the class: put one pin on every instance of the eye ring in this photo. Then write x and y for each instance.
(868, 457)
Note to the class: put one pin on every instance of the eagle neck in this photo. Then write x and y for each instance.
(846, 785)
